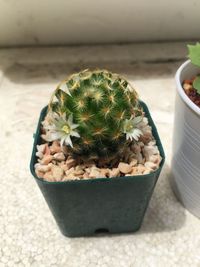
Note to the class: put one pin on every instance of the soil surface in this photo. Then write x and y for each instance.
(139, 158)
(191, 92)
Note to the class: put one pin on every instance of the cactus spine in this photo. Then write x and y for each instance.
(93, 113)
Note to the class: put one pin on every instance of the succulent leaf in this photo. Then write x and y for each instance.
(196, 84)
(194, 54)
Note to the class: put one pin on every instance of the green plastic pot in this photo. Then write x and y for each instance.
(86, 207)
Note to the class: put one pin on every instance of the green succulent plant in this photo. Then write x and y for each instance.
(95, 114)
(194, 55)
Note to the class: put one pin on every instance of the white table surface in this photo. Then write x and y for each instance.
(170, 235)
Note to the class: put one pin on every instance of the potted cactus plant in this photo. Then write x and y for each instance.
(97, 154)
(185, 177)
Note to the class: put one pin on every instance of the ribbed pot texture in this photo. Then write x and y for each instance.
(185, 179)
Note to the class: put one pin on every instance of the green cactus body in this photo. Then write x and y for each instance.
(100, 104)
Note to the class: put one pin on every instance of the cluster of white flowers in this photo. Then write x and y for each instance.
(58, 127)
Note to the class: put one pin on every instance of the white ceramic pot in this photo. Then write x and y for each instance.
(185, 179)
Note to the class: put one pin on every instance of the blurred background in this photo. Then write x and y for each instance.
(61, 22)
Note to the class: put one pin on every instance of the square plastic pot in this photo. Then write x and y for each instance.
(86, 207)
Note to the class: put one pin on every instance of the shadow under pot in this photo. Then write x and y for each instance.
(101, 205)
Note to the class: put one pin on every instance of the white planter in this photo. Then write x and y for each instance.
(185, 179)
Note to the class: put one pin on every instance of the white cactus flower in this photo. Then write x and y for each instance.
(61, 129)
(131, 129)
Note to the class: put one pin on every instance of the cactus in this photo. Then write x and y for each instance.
(95, 114)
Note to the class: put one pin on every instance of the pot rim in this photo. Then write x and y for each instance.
(180, 90)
